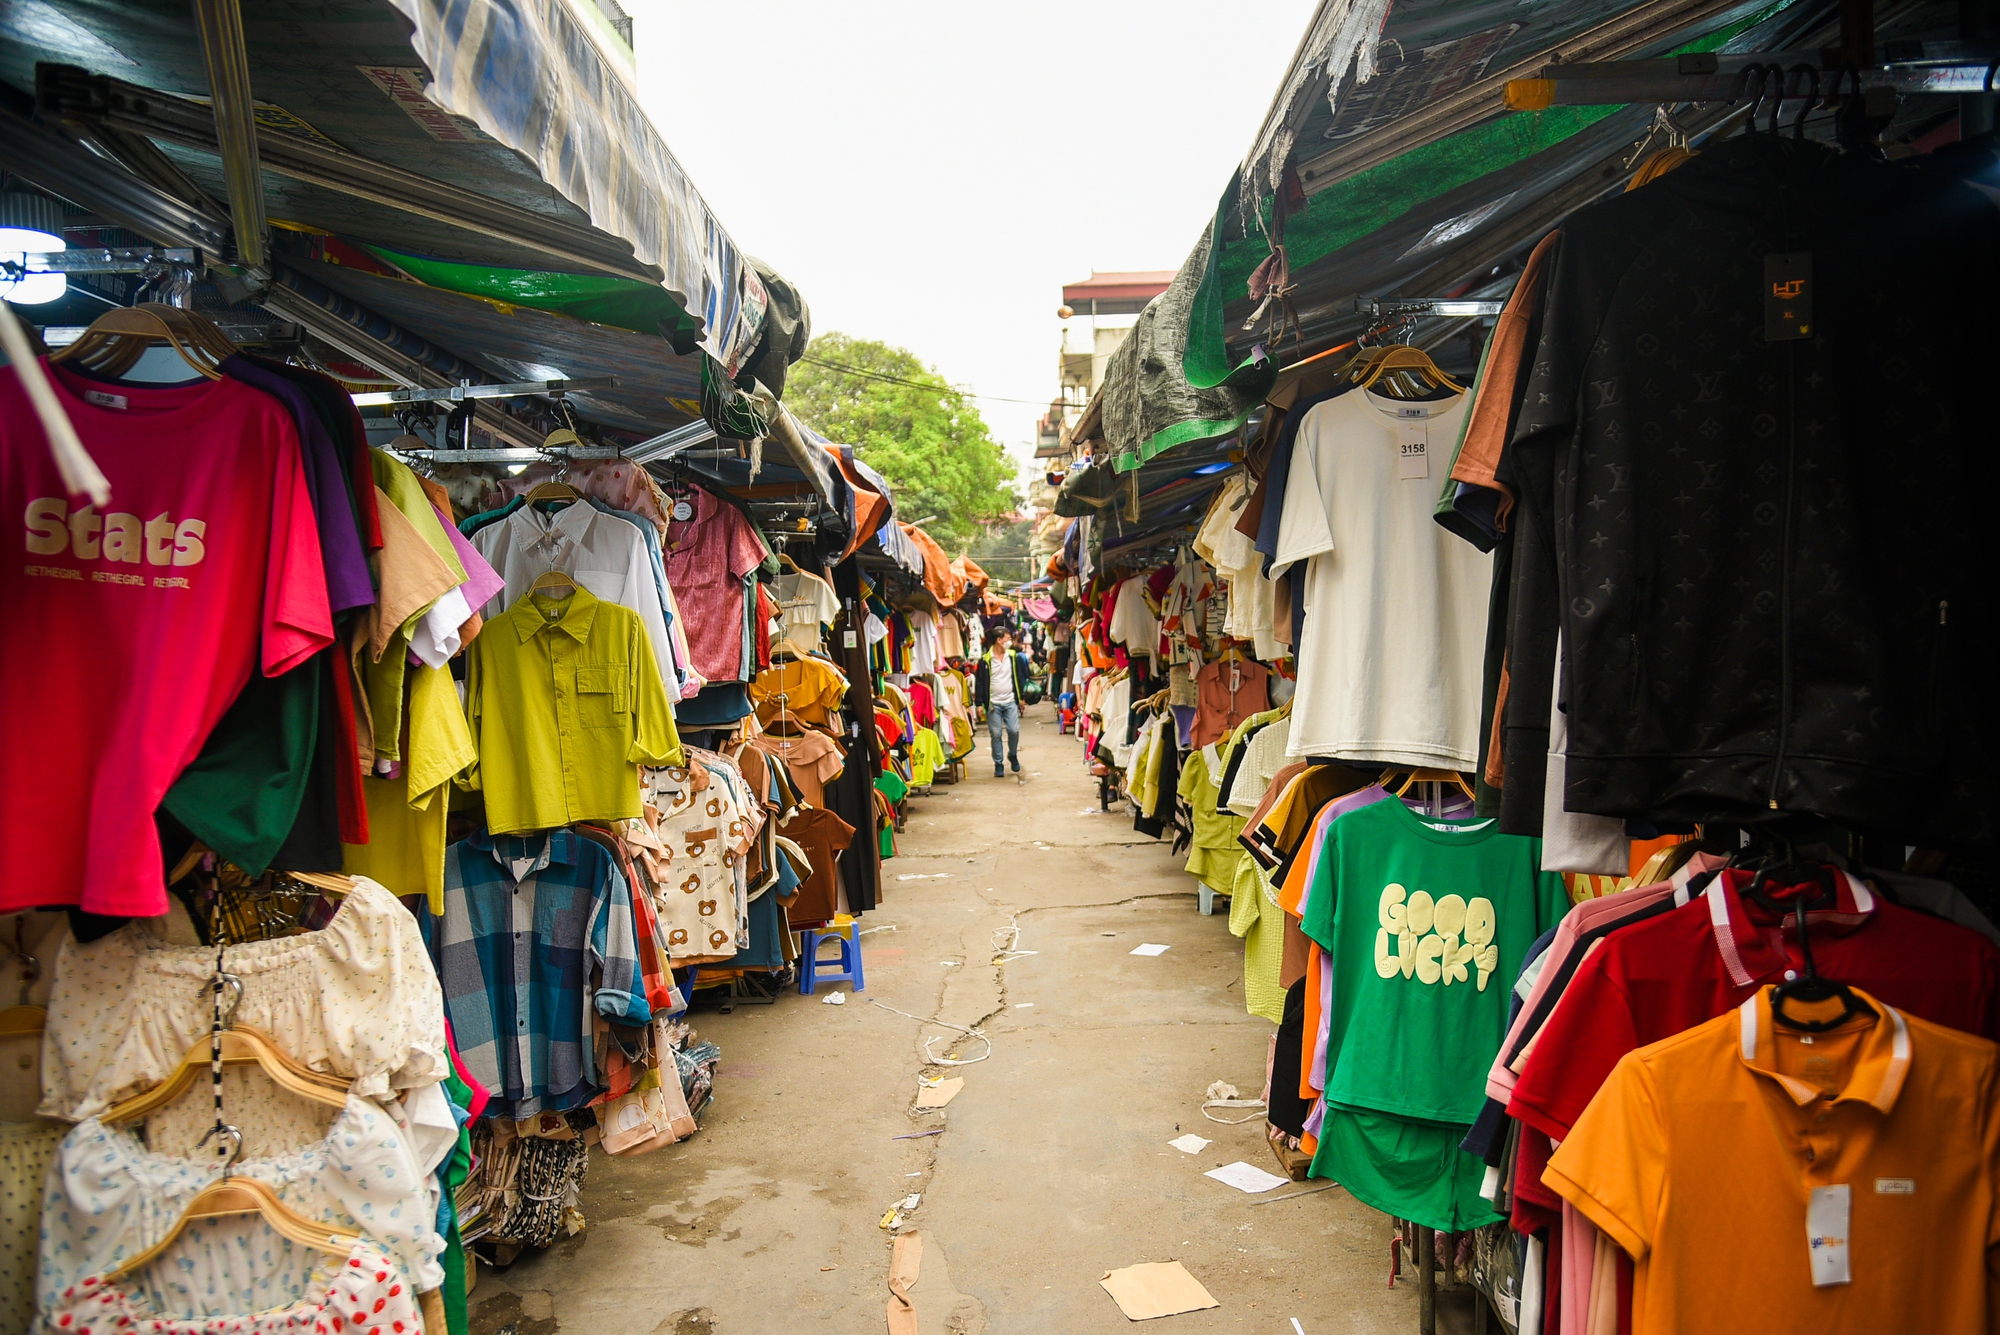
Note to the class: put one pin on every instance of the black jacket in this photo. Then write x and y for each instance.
(980, 677)
(1768, 559)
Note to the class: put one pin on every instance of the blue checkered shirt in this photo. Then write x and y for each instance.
(516, 953)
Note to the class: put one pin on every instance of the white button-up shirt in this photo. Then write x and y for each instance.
(603, 553)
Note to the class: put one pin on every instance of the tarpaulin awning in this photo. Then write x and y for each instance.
(501, 136)
(542, 78)
(1388, 166)
(946, 584)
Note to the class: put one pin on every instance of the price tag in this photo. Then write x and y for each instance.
(683, 511)
(1826, 1235)
(1413, 449)
(847, 640)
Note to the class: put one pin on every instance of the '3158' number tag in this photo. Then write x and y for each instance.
(1413, 449)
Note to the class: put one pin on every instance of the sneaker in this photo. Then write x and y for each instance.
(999, 773)
(1017, 766)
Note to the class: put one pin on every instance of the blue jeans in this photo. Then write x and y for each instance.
(1005, 718)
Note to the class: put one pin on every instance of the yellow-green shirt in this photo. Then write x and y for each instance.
(566, 704)
(407, 815)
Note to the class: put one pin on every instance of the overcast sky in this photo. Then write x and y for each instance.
(931, 175)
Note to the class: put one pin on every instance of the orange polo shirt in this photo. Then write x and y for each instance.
(1700, 1153)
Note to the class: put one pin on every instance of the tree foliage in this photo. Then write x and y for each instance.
(903, 419)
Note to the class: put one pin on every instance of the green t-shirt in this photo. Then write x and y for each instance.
(1426, 923)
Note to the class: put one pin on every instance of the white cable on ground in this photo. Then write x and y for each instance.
(944, 1024)
(1005, 942)
(1222, 1094)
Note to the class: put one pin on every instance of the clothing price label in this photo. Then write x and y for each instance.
(683, 511)
(1826, 1235)
(847, 640)
(1413, 449)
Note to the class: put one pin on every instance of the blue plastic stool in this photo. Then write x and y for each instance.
(813, 970)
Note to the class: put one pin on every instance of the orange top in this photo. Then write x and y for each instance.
(1701, 1153)
(1492, 403)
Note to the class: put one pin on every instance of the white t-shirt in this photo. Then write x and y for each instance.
(1252, 595)
(1132, 621)
(1000, 678)
(1390, 661)
(807, 602)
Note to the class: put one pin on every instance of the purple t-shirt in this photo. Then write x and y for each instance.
(348, 584)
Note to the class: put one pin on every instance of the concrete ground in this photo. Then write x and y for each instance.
(1053, 1166)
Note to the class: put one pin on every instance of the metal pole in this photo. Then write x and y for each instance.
(221, 25)
(1857, 32)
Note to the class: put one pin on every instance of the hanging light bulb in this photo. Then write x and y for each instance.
(30, 224)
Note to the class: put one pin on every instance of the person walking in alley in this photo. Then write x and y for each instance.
(997, 683)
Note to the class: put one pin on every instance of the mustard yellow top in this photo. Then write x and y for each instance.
(566, 704)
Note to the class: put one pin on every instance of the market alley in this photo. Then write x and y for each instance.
(1053, 1165)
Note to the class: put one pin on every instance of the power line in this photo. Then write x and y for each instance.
(916, 384)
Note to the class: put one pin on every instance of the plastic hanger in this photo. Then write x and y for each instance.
(553, 491)
(240, 1047)
(550, 579)
(1809, 987)
(243, 1195)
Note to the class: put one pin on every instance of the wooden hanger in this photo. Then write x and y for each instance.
(240, 1047)
(1417, 776)
(1395, 358)
(333, 883)
(243, 1195)
(194, 328)
(23, 1019)
(116, 340)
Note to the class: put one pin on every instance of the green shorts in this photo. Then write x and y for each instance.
(1412, 1170)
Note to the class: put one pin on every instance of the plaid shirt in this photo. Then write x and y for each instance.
(516, 953)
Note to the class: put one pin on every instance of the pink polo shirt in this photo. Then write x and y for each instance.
(132, 628)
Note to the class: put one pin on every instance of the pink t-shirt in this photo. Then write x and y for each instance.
(133, 628)
(708, 556)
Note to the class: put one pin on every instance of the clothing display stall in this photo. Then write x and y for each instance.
(1583, 723)
(405, 772)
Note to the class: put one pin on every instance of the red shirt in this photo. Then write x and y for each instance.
(1670, 973)
(132, 629)
(708, 555)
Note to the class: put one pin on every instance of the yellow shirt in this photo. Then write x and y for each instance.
(565, 704)
(407, 814)
(805, 687)
(1701, 1154)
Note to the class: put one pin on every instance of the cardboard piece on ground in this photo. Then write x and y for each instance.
(1150, 949)
(1246, 1177)
(943, 1092)
(1163, 1288)
(905, 1260)
(1190, 1144)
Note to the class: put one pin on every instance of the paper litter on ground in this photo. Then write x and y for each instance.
(941, 1093)
(1190, 1143)
(1143, 1292)
(834, 999)
(1150, 949)
(1246, 1177)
